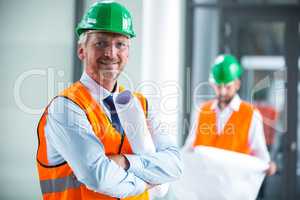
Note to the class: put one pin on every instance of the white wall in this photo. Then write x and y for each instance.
(162, 59)
(36, 38)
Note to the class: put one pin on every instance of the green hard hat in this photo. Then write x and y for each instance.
(107, 16)
(225, 69)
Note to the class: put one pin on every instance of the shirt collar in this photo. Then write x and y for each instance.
(234, 103)
(96, 90)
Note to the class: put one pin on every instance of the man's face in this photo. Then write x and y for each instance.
(225, 93)
(104, 54)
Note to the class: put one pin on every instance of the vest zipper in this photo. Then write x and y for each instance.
(120, 148)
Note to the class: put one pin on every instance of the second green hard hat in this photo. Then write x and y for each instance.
(225, 69)
(107, 16)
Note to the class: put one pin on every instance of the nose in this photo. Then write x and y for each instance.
(222, 90)
(110, 51)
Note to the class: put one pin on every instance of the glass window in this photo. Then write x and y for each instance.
(266, 89)
(272, 2)
(261, 38)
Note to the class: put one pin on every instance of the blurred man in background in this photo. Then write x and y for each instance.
(227, 122)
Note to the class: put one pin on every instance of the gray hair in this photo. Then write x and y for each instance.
(82, 38)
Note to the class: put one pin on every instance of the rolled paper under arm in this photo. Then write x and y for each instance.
(133, 121)
(134, 124)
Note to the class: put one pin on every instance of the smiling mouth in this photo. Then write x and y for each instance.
(110, 63)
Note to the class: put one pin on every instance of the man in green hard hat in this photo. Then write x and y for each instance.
(231, 123)
(83, 150)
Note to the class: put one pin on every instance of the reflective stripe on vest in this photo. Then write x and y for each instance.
(59, 185)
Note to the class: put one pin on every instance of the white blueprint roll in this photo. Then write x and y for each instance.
(133, 121)
(216, 174)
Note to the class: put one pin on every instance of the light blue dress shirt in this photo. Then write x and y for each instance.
(70, 138)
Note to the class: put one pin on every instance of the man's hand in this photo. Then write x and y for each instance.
(272, 169)
(121, 160)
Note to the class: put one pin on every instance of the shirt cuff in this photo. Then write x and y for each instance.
(135, 164)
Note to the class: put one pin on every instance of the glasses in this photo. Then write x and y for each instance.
(103, 44)
(103, 40)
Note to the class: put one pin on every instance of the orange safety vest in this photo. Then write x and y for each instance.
(58, 182)
(234, 136)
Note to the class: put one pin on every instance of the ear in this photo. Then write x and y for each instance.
(80, 52)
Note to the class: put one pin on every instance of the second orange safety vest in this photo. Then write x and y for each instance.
(59, 182)
(234, 136)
